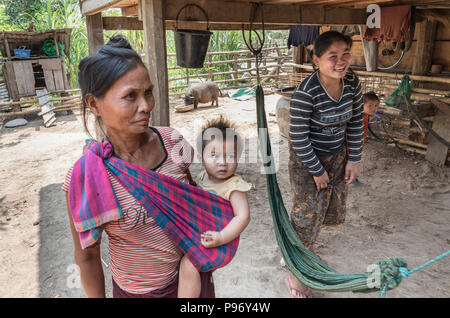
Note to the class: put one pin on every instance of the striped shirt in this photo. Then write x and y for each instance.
(142, 257)
(319, 123)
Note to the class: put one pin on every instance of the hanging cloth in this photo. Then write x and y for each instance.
(302, 35)
(394, 25)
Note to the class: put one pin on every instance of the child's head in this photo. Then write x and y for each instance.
(371, 103)
(219, 147)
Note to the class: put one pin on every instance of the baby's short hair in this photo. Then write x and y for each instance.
(219, 126)
(370, 96)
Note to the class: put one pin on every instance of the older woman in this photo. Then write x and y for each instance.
(144, 256)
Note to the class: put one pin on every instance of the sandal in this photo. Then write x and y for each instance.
(291, 288)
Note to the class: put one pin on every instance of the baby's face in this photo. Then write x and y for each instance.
(371, 107)
(219, 159)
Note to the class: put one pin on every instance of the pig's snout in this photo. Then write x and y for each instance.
(188, 100)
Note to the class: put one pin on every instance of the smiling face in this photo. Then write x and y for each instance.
(335, 61)
(220, 159)
(126, 106)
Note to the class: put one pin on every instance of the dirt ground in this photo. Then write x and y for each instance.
(401, 208)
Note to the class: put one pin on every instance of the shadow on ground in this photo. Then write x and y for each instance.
(58, 276)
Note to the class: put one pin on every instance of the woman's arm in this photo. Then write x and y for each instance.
(237, 225)
(89, 262)
(355, 135)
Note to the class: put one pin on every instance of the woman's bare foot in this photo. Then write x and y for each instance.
(296, 288)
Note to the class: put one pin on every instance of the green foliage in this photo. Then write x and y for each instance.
(18, 13)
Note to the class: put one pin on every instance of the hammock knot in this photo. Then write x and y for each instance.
(392, 271)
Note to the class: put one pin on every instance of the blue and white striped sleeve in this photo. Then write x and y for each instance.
(355, 127)
(299, 129)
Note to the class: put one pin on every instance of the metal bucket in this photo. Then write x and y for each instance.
(191, 45)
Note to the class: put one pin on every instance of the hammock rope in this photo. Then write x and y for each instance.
(305, 265)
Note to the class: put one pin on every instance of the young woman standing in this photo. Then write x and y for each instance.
(325, 107)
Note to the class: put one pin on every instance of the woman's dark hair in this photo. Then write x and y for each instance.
(225, 128)
(326, 39)
(98, 72)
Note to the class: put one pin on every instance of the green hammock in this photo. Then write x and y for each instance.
(304, 264)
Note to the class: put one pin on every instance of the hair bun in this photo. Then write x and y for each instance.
(118, 41)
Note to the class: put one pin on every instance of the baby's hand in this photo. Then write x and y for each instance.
(211, 239)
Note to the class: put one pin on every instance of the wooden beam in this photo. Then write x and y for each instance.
(91, 7)
(133, 23)
(155, 49)
(122, 23)
(201, 25)
(94, 25)
(281, 14)
(130, 11)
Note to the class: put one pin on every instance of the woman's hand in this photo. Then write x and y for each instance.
(211, 239)
(322, 181)
(351, 172)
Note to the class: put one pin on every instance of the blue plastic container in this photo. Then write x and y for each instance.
(22, 52)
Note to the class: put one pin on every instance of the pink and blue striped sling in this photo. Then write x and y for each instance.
(183, 211)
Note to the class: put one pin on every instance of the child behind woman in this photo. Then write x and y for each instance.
(220, 147)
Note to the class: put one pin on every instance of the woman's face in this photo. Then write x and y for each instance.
(335, 61)
(126, 106)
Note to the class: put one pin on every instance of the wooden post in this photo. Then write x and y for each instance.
(235, 68)
(436, 151)
(426, 31)
(187, 76)
(279, 62)
(155, 51)
(7, 50)
(56, 44)
(299, 57)
(210, 71)
(94, 25)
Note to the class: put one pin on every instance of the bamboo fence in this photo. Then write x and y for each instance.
(270, 69)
